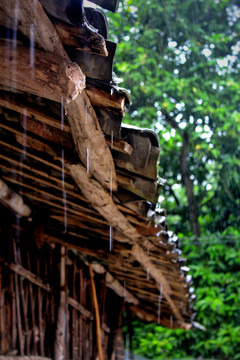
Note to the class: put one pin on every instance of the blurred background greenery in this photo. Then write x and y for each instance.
(180, 60)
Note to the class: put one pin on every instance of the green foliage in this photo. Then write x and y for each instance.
(216, 276)
(180, 61)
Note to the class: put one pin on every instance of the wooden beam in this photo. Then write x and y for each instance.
(77, 306)
(54, 77)
(102, 202)
(18, 269)
(90, 141)
(115, 285)
(13, 200)
(29, 17)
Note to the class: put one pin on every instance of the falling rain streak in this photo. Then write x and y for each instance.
(110, 238)
(124, 291)
(88, 161)
(24, 118)
(62, 114)
(32, 51)
(159, 303)
(147, 273)
(64, 195)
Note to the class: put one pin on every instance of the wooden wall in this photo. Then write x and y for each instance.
(47, 305)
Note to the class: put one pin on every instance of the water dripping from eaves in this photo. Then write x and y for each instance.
(88, 161)
(148, 268)
(86, 113)
(159, 304)
(124, 291)
(110, 238)
(62, 114)
(64, 194)
(24, 118)
(148, 274)
(32, 50)
(14, 40)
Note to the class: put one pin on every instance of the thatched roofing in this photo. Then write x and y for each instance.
(92, 191)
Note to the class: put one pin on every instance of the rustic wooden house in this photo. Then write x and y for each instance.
(81, 238)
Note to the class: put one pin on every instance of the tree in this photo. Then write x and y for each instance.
(180, 61)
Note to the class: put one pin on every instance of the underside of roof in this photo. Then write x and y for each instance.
(67, 162)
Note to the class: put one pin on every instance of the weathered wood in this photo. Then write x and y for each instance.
(25, 317)
(26, 357)
(150, 317)
(34, 279)
(54, 77)
(119, 145)
(13, 313)
(102, 202)
(77, 306)
(106, 99)
(25, 108)
(42, 117)
(81, 38)
(3, 342)
(115, 285)
(61, 313)
(47, 132)
(13, 200)
(30, 18)
(144, 188)
(90, 142)
(88, 136)
(97, 317)
(157, 275)
(19, 321)
(28, 141)
(40, 322)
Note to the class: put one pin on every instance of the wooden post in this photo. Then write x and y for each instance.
(61, 316)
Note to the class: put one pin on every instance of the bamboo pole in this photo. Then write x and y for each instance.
(97, 316)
